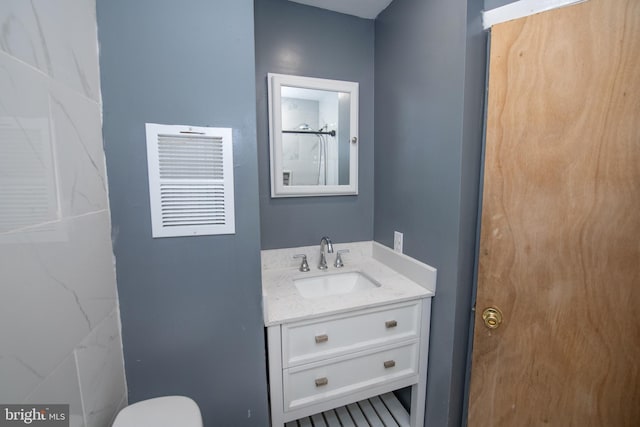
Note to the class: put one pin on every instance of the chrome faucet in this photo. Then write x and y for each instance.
(325, 241)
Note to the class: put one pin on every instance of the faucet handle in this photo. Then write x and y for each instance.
(304, 266)
(339, 262)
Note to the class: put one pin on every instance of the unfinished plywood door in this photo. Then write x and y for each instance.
(560, 238)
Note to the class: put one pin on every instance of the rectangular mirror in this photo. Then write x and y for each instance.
(313, 136)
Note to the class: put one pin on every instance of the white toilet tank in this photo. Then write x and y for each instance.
(168, 411)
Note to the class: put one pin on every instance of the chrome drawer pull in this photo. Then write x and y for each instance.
(391, 324)
(322, 338)
(322, 381)
(389, 364)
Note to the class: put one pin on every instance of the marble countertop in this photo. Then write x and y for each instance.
(282, 302)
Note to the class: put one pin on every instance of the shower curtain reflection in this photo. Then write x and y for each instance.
(307, 159)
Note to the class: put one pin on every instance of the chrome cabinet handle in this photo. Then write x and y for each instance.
(322, 381)
(321, 338)
(390, 324)
(389, 364)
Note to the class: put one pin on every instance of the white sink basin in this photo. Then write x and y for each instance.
(334, 284)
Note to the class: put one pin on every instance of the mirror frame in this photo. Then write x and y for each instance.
(278, 189)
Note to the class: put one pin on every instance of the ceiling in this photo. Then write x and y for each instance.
(368, 9)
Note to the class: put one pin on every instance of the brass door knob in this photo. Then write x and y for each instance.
(492, 317)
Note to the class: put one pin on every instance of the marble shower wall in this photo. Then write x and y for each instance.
(59, 320)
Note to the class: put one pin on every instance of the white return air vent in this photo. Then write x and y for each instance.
(190, 180)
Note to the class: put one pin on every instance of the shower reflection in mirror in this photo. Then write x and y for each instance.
(312, 124)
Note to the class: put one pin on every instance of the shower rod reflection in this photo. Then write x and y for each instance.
(311, 132)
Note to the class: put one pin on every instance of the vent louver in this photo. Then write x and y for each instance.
(28, 189)
(190, 180)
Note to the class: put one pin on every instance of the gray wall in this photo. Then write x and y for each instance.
(302, 40)
(492, 4)
(430, 68)
(191, 307)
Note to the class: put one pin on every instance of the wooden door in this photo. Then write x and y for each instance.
(560, 238)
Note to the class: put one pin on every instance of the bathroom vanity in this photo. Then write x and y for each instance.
(346, 334)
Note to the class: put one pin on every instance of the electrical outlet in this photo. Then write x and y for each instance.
(397, 241)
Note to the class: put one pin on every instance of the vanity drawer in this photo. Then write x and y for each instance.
(309, 341)
(317, 382)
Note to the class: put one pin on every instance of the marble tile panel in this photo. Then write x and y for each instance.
(61, 387)
(28, 190)
(21, 34)
(80, 163)
(58, 37)
(101, 372)
(20, 378)
(51, 146)
(55, 292)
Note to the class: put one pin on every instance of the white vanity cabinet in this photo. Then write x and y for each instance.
(334, 360)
